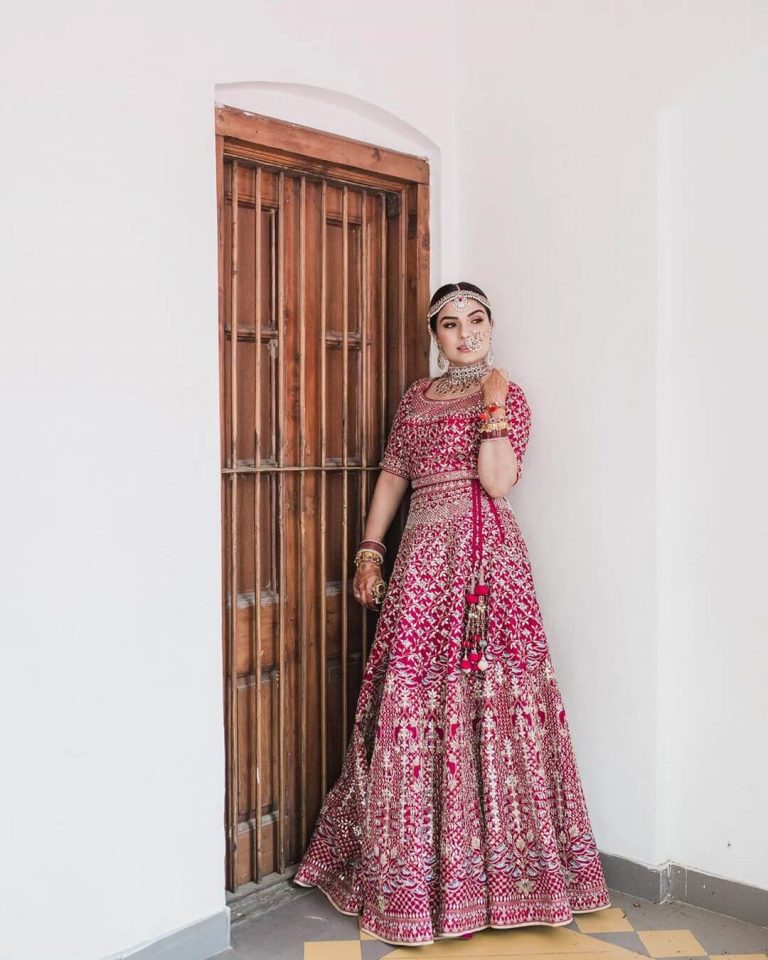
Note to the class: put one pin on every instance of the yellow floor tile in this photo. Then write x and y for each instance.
(364, 935)
(612, 920)
(332, 950)
(738, 956)
(553, 942)
(671, 943)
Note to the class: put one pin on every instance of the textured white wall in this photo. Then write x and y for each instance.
(713, 519)
(113, 748)
(556, 124)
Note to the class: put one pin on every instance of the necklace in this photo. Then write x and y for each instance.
(461, 375)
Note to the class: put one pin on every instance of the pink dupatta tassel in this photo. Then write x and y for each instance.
(475, 634)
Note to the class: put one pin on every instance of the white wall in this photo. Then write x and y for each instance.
(112, 813)
(541, 122)
(713, 519)
(557, 121)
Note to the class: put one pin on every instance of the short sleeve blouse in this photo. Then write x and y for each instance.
(432, 437)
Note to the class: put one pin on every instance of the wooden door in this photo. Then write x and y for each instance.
(323, 293)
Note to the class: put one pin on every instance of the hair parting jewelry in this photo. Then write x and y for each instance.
(460, 301)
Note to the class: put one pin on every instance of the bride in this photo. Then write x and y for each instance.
(459, 805)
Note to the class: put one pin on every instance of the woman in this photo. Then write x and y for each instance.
(459, 805)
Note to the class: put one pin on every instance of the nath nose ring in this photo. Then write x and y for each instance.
(473, 341)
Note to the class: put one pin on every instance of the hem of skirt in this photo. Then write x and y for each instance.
(446, 935)
(313, 886)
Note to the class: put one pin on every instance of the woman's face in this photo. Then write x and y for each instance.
(464, 336)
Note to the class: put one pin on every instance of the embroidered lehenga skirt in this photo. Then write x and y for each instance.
(459, 805)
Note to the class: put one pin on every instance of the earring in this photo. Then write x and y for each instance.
(442, 360)
(489, 357)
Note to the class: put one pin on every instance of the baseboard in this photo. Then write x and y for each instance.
(198, 941)
(657, 884)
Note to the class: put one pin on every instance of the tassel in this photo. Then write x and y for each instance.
(469, 628)
(475, 633)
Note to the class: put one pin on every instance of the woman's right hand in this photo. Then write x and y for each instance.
(362, 586)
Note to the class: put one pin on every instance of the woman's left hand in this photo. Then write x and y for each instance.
(495, 386)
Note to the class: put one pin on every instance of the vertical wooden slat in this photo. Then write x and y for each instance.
(234, 772)
(273, 293)
(280, 414)
(383, 379)
(402, 330)
(420, 271)
(223, 415)
(256, 844)
(323, 492)
(364, 408)
(302, 574)
(344, 456)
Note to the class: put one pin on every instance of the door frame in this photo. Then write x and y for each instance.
(269, 141)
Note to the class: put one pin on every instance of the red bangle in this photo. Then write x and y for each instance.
(378, 543)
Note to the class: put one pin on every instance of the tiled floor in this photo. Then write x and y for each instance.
(310, 928)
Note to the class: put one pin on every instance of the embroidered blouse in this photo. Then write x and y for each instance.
(440, 436)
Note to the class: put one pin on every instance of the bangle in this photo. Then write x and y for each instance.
(494, 424)
(378, 543)
(365, 556)
(487, 413)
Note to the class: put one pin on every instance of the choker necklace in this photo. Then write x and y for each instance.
(461, 375)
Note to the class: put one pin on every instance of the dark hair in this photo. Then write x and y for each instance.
(470, 288)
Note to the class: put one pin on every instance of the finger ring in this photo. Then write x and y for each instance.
(379, 590)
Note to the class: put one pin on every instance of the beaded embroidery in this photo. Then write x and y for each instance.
(459, 804)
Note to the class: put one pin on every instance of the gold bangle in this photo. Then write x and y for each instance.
(489, 426)
(365, 555)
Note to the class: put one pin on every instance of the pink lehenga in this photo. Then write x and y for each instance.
(459, 805)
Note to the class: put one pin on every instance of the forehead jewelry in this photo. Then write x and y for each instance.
(461, 300)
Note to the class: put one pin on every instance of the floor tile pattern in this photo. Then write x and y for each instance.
(310, 928)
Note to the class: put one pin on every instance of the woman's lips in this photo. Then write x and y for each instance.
(465, 350)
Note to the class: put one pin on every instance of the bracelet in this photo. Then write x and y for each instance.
(491, 426)
(365, 556)
(487, 412)
(365, 543)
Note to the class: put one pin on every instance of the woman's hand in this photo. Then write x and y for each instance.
(362, 586)
(495, 386)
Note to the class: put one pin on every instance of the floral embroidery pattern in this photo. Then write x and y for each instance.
(459, 804)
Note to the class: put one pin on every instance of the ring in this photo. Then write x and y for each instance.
(378, 590)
